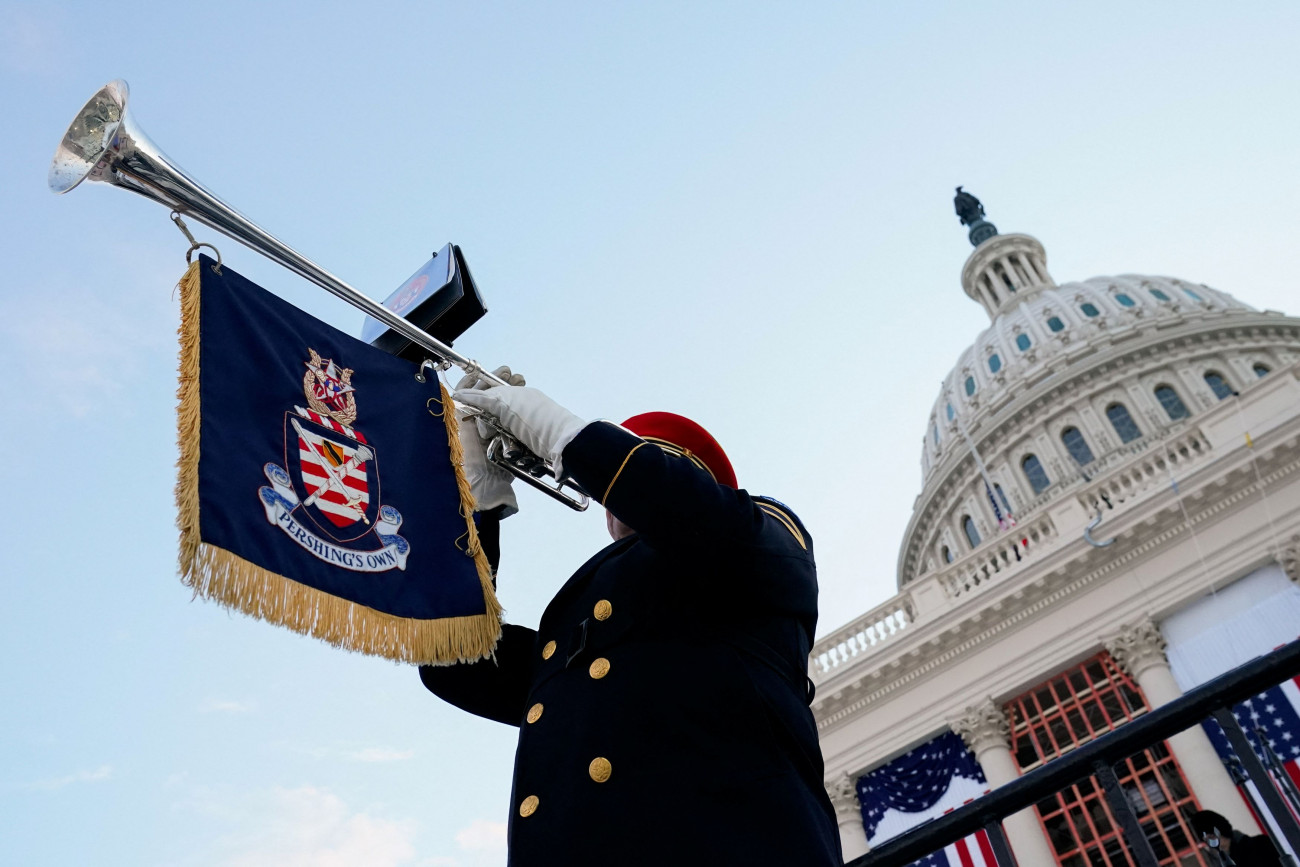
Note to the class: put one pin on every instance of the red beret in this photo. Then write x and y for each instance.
(680, 436)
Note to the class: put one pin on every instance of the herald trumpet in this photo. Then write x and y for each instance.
(105, 144)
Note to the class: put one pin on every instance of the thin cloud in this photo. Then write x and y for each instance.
(215, 705)
(482, 844)
(482, 836)
(32, 40)
(123, 333)
(311, 827)
(98, 775)
(348, 753)
(380, 754)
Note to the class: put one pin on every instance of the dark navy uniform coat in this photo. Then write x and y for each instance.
(662, 702)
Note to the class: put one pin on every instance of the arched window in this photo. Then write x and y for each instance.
(1217, 384)
(1172, 403)
(950, 412)
(1089, 310)
(1076, 446)
(970, 386)
(1261, 370)
(1123, 422)
(1124, 300)
(972, 535)
(947, 554)
(995, 363)
(1035, 473)
(1055, 324)
(1159, 296)
(1023, 342)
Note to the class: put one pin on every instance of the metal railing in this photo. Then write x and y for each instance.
(1099, 757)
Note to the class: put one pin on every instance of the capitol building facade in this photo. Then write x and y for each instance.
(1109, 515)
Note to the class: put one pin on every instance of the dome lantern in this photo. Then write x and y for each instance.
(1003, 270)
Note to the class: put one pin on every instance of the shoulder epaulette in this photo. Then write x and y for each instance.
(785, 517)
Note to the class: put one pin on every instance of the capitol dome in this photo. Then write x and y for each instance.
(1047, 328)
(1065, 380)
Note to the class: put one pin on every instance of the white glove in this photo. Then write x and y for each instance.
(489, 484)
(534, 419)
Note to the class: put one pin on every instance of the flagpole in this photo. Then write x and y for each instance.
(990, 488)
(970, 444)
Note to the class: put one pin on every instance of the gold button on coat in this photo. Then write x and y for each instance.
(549, 650)
(599, 667)
(603, 609)
(529, 806)
(535, 712)
(600, 769)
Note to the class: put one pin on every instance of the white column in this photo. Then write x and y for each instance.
(987, 733)
(1139, 648)
(848, 813)
(1027, 265)
(1012, 264)
(1004, 272)
(990, 300)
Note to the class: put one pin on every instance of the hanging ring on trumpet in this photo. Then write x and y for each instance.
(216, 266)
(430, 364)
(194, 245)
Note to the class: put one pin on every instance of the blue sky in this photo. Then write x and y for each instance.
(740, 212)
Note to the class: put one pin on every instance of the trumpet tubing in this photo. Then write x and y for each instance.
(105, 144)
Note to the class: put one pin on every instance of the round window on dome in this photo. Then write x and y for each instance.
(1023, 342)
(1158, 295)
(995, 363)
(1261, 370)
(1124, 300)
(970, 386)
(1055, 323)
(1089, 310)
(950, 412)
(1192, 295)
(936, 434)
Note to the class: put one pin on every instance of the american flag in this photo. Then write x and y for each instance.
(1005, 520)
(1273, 716)
(919, 786)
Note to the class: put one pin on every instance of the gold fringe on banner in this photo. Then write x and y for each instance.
(217, 574)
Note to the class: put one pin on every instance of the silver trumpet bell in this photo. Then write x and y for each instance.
(103, 143)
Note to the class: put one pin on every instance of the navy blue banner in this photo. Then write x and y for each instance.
(323, 487)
